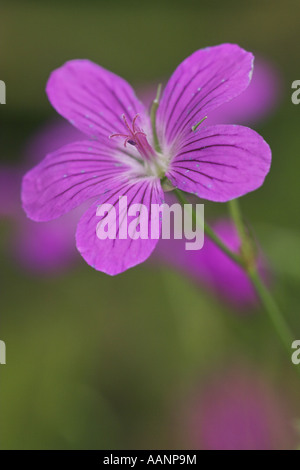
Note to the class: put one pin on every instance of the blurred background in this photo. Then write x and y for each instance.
(166, 355)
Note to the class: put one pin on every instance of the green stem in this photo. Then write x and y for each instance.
(208, 230)
(264, 295)
(235, 212)
(247, 251)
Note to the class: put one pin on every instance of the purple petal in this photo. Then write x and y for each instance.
(256, 102)
(114, 256)
(252, 105)
(201, 83)
(93, 99)
(220, 163)
(68, 177)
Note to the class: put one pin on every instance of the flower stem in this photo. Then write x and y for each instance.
(235, 212)
(250, 268)
(208, 230)
(247, 251)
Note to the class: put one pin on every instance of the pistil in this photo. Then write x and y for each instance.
(136, 137)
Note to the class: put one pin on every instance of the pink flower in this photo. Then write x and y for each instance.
(217, 163)
(239, 411)
(47, 247)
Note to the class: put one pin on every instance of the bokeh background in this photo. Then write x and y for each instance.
(152, 358)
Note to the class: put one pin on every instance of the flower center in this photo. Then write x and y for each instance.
(136, 137)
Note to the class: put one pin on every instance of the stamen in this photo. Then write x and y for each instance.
(195, 127)
(153, 112)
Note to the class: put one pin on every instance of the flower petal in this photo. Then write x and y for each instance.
(202, 82)
(256, 102)
(113, 256)
(71, 175)
(220, 163)
(93, 99)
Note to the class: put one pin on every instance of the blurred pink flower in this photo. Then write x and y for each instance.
(239, 411)
(47, 247)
